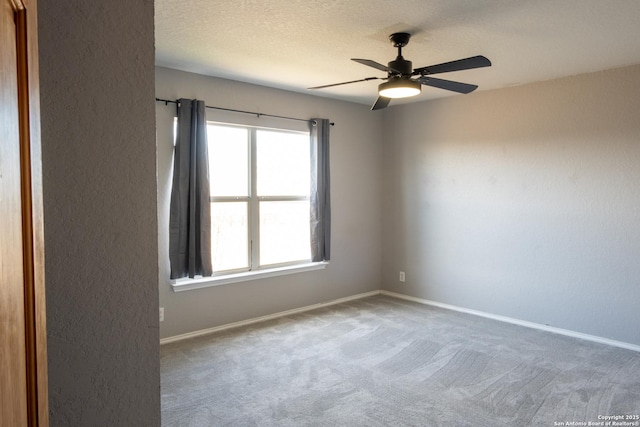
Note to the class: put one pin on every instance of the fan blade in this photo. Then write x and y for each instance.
(381, 103)
(345, 83)
(447, 84)
(459, 65)
(373, 64)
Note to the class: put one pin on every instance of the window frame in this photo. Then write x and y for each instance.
(253, 201)
(243, 275)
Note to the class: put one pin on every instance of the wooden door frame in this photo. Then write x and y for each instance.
(32, 211)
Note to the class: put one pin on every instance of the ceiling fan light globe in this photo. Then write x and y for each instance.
(400, 88)
(399, 92)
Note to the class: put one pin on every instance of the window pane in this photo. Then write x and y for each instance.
(284, 232)
(229, 235)
(228, 160)
(282, 163)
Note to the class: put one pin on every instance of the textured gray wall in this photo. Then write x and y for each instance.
(521, 202)
(356, 197)
(98, 140)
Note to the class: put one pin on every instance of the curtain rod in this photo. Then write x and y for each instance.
(167, 101)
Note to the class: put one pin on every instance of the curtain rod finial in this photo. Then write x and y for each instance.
(315, 123)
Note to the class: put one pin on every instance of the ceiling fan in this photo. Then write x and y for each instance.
(400, 83)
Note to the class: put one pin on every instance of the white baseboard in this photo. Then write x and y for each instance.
(264, 318)
(511, 320)
(499, 318)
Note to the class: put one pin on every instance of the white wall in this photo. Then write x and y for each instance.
(522, 202)
(355, 196)
(98, 149)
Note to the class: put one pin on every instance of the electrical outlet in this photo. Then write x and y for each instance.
(162, 314)
(402, 276)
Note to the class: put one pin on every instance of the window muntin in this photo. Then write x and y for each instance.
(259, 197)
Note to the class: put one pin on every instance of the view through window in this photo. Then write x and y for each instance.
(259, 197)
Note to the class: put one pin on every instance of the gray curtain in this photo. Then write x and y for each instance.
(190, 215)
(320, 191)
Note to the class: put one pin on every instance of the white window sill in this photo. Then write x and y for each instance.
(205, 282)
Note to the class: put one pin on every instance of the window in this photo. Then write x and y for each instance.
(260, 180)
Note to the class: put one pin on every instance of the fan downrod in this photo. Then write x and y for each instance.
(400, 67)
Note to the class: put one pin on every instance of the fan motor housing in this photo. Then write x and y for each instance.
(401, 65)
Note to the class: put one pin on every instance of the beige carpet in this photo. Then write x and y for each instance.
(381, 361)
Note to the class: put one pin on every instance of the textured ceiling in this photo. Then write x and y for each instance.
(295, 44)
